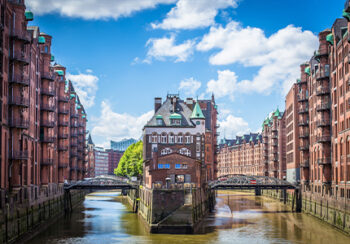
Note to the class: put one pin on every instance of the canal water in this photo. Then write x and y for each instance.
(239, 218)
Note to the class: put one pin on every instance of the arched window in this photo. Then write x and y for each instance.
(154, 138)
(179, 138)
(185, 151)
(166, 151)
(171, 138)
(163, 138)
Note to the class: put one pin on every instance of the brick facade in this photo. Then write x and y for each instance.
(35, 125)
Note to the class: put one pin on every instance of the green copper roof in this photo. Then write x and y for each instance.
(41, 40)
(175, 116)
(83, 116)
(59, 72)
(277, 113)
(307, 70)
(237, 140)
(52, 58)
(159, 116)
(72, 95)
(330, 39)
(79, 107)
(29, 15)
(197, 112)
(298, 80)
(279, 117)
(251, 139)
(82, 112)
(346, 15)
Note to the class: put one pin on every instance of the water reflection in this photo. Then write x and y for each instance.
(239, 218)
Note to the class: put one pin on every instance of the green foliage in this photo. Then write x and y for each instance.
(131, 162)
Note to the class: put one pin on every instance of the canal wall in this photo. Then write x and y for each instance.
(332, 211)
(25, 219)
(175, 211)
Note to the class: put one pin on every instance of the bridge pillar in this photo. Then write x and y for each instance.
(298, 200)
(257, 192)
(284, 196)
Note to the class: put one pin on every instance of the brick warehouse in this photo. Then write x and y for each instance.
(317, 128)
(180, 141)
(256, 154)
(43, 123)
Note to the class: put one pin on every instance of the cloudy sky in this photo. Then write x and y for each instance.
(120, 54)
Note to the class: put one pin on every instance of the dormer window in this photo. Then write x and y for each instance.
(175, 119)
(159, 119)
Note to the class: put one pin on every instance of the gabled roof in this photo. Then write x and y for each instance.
(90, 140)
(197, 112)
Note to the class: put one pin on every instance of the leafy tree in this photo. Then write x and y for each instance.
(131, 162)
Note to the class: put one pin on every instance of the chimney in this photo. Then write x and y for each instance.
(157, 103)
(189, 103)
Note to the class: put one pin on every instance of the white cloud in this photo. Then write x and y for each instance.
(189, 14)
(162, 48)
(86, 86)
(278, 57)
(93, 9)
(226, 84)
(232, 126)
(115, 126)
(190, 86)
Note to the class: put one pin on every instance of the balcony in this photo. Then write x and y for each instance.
(19, 155)
(323, 51)
(48, 107)
(303, 97)
(47, 76)
(323, 139)
(19, 123)
(74, 134)
(73, 154)
(47, 123)
(303, 109)
(217, 126)
(73, 144)
(48, 92)
(304, 135)
(19, 101)
(274, 137)
(47, 139)
(19, 57)
(20, 35)
(63, 111)
(322, 91)
(74, 125)
(47, 161)
(62, 165)
(19, 80)
(74, 115)
(324, 161)
(62, 148)
(302, 81)
(303, 122)
(322, 72)
(274, 144)
(64, 99)
(63, 123)
(323, 107)
(323, 123)
(304, 147)
(274, 159)
(304, 164)
(63, 136)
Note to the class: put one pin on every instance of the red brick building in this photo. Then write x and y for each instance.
(175, 141)
(256, 154)
(35, 124)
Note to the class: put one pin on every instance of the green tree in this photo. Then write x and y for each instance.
(131, 162)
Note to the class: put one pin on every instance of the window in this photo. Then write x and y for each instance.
(188, 139)
(175, 122)
(163, 166)
(159, 122)
(177, 166)
(160, 166)
(179, 139)
(185, 151)
(163, 139)
(180, 179)
(171, 139)
(166, 151)
(167, 166)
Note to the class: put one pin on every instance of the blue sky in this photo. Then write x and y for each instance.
(122, 53)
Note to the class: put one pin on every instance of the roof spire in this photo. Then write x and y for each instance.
(197, 112)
